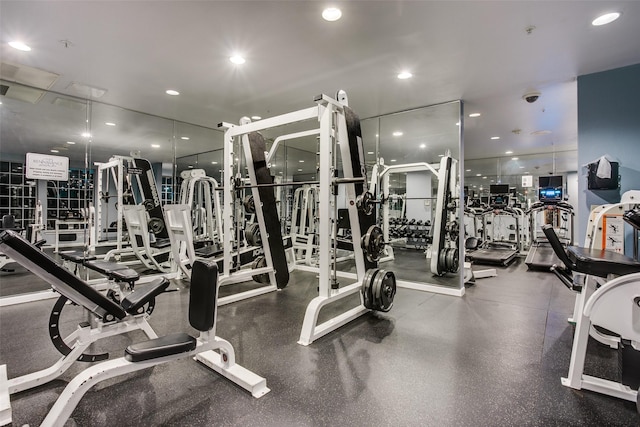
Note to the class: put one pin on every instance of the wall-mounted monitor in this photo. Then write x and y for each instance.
(550, 181)
(499, 189)
(550, 194)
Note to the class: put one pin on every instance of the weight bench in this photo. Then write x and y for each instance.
(615, 306)
(202, 316)
(111, 318)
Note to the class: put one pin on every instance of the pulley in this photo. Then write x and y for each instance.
(156, 225)
(365, 203)
(260, 262)
(378, 289)
(249, 205)
(252, 235)
(373, 243)
(148, 204)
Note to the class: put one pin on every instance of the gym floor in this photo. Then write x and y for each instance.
(493, 357)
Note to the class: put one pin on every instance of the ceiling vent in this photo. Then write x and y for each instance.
(21, 93)
(86, 90)
(27, 75)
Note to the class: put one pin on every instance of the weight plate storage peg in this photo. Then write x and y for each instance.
(249, 205)
(252, 235)
(373, 243)
(260, 262)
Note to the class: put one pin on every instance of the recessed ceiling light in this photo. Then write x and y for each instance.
(331, 14)
(521, 167)
(109, 124)
(607, 18)
(155, 145)
(397, 133)
(423, 145)
(458, 124)
(172, 92)
(484, 177)
(55, 151)
(70, 142)
(301, 161)
(405, 75)
(495, 137)
(20, 46)
(299, 170)
(474, 115)
(468, 170)
(86, 135)
(370, 152)
(256, 118)
(514, 158)
(508, 152)
(478, 174)
(393, 160)
(186, 138)
(237, 59)
(214, 163)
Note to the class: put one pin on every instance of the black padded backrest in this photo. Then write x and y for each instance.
(8, 221)
(471, 243)
(556, 244)
(203, 296)
(62, 280)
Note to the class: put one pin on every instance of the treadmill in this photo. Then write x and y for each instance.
(492, 252)
(541, 255)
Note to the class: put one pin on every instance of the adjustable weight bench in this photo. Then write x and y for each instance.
(615, 306)
(202, 316)
(111, 318)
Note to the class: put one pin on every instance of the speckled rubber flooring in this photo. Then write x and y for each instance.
(491, 358)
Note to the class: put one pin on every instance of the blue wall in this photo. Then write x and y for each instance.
(608, 123)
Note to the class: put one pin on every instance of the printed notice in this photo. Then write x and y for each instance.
(527, 181)
(43, 166)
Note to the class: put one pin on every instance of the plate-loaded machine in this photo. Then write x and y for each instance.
(555, 211)
(200, 192)
(339, 130)
(112, 319)
(492, 251)
(613, 306)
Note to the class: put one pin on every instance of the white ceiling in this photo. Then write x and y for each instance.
(477, 51)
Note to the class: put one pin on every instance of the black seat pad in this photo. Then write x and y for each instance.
(76, 256)
(161, 243)
(601, 262)
(105, 267)
(208, 251)
(138, 298)
(124, 275)
(159, 347)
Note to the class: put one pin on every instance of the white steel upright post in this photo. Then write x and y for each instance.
(326, 201)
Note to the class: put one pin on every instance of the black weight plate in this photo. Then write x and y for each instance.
(260, 262)
(249, 204)
(156, 225)
(366, 288)
(252, 235)
(385, 290)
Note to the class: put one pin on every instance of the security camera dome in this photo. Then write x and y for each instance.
(531, 96)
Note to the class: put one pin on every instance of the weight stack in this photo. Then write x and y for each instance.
(629, 364)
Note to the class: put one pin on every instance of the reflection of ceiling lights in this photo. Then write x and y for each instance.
(301, 161)
(495, 137)
(70, 142)
(331, 14)
(186, 138)
(397, 133)
(484, 177)
(214, 163)
(405, 75)
(521, 167)
(20, 46)
(191, 166)
(368, 152)
(256, 118)
(468, 170)
(478, 174)
(605, 19)
(474, 115)
(237, 59)
(508, 152)
(109, 124)
(155, 145)
(55, 151)
(86, 135)
(393, 160)
(299, 170)
(172, 92)
(514, 158)
(423, 145)
(440, 155)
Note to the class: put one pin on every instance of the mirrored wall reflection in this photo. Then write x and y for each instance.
(512, 170)
(410, 148)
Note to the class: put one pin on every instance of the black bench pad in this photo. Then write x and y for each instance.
(208, 251)
(104, 267)
(160, 347)
(76, 257)
(601, 262)
(161, 243)
(125, 275)
(138, 298)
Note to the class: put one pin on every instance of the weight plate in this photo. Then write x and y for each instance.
(249, 204)
(372, 243)
(156, 225)
(365, 203)
(366, 288)
(384, 290)
(252, 235)
(260, 262)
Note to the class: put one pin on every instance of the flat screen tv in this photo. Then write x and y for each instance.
(499, 189)
(550, 181)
